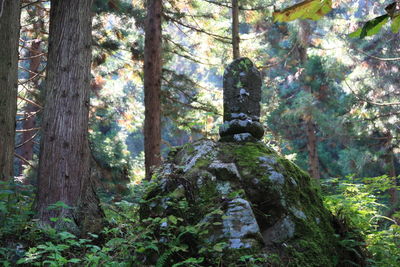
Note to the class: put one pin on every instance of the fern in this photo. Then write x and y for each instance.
(162, 261)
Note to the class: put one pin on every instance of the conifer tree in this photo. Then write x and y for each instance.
(63, 174)
(9, 36)
(152, 86)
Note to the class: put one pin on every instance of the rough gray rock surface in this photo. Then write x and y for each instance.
(251, 200)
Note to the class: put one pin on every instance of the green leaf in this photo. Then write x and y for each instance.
(115, 242)
(152, 246)
(189, 262)
(22, 260)
(309, 9)
(356, 34)
(395, 26)
(58, 205)
(3, 207)
(219, 247)
(66, 235)
(371, 27)
(172, 219)
(6, 192)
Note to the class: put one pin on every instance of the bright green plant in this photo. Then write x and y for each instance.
(360, 203)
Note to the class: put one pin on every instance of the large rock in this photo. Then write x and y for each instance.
(245, 202)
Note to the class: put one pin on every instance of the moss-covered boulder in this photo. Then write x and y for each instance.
(240, 204)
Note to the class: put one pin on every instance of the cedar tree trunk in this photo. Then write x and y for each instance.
(64, 150)
(312, 141)
(9, 38)
(152, 86)
(235, 29)
(391, 170)
(26, 150)
(313, 160)
(27, 142)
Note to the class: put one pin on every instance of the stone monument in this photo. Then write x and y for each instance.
(242, 96)
(235, 200)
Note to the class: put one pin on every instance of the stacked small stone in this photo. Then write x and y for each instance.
(242, 96)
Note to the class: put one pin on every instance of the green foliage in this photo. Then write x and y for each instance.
(309, 9)
(325, 102)
(358, 203)
(174, 240)
(15, 207)
(371, 27)
(15, 212)
(127, 241)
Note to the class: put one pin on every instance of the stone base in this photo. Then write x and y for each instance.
(240, 138)
(247, 201)
(238, 130)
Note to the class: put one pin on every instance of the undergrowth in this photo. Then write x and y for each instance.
(362, 204)
(171, 241)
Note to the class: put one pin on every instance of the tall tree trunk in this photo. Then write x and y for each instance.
(391, 170)
(235, 29)
(312, 141)
(26, 150)
(9, 36)
(152, 86)
(313, 160)
(63, 173)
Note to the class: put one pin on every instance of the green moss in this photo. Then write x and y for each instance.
(246, 155)
(189, 148)
(202, 163)
(244, 257)
(208, 193)
(309, 254)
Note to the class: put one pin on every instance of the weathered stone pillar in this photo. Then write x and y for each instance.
(242, 96)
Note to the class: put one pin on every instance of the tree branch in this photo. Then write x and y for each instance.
(369, 101)
(24, 160)
(35, 56)
(32, 3)
(27, 130)
(28, 115)
(375, 57)
(30, 102)
(279, 61)
(27, 141)
(220, 38)
(240, 7)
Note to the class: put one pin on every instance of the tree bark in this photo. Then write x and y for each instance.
(26, 151)
(152, 87)
(9, 36)
(313, 160)
(312, 140)
(391, 170)
(235, 29)
(63, 173)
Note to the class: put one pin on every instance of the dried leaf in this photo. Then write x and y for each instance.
(309, 9)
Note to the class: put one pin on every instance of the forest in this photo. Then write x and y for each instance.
(191, 133)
